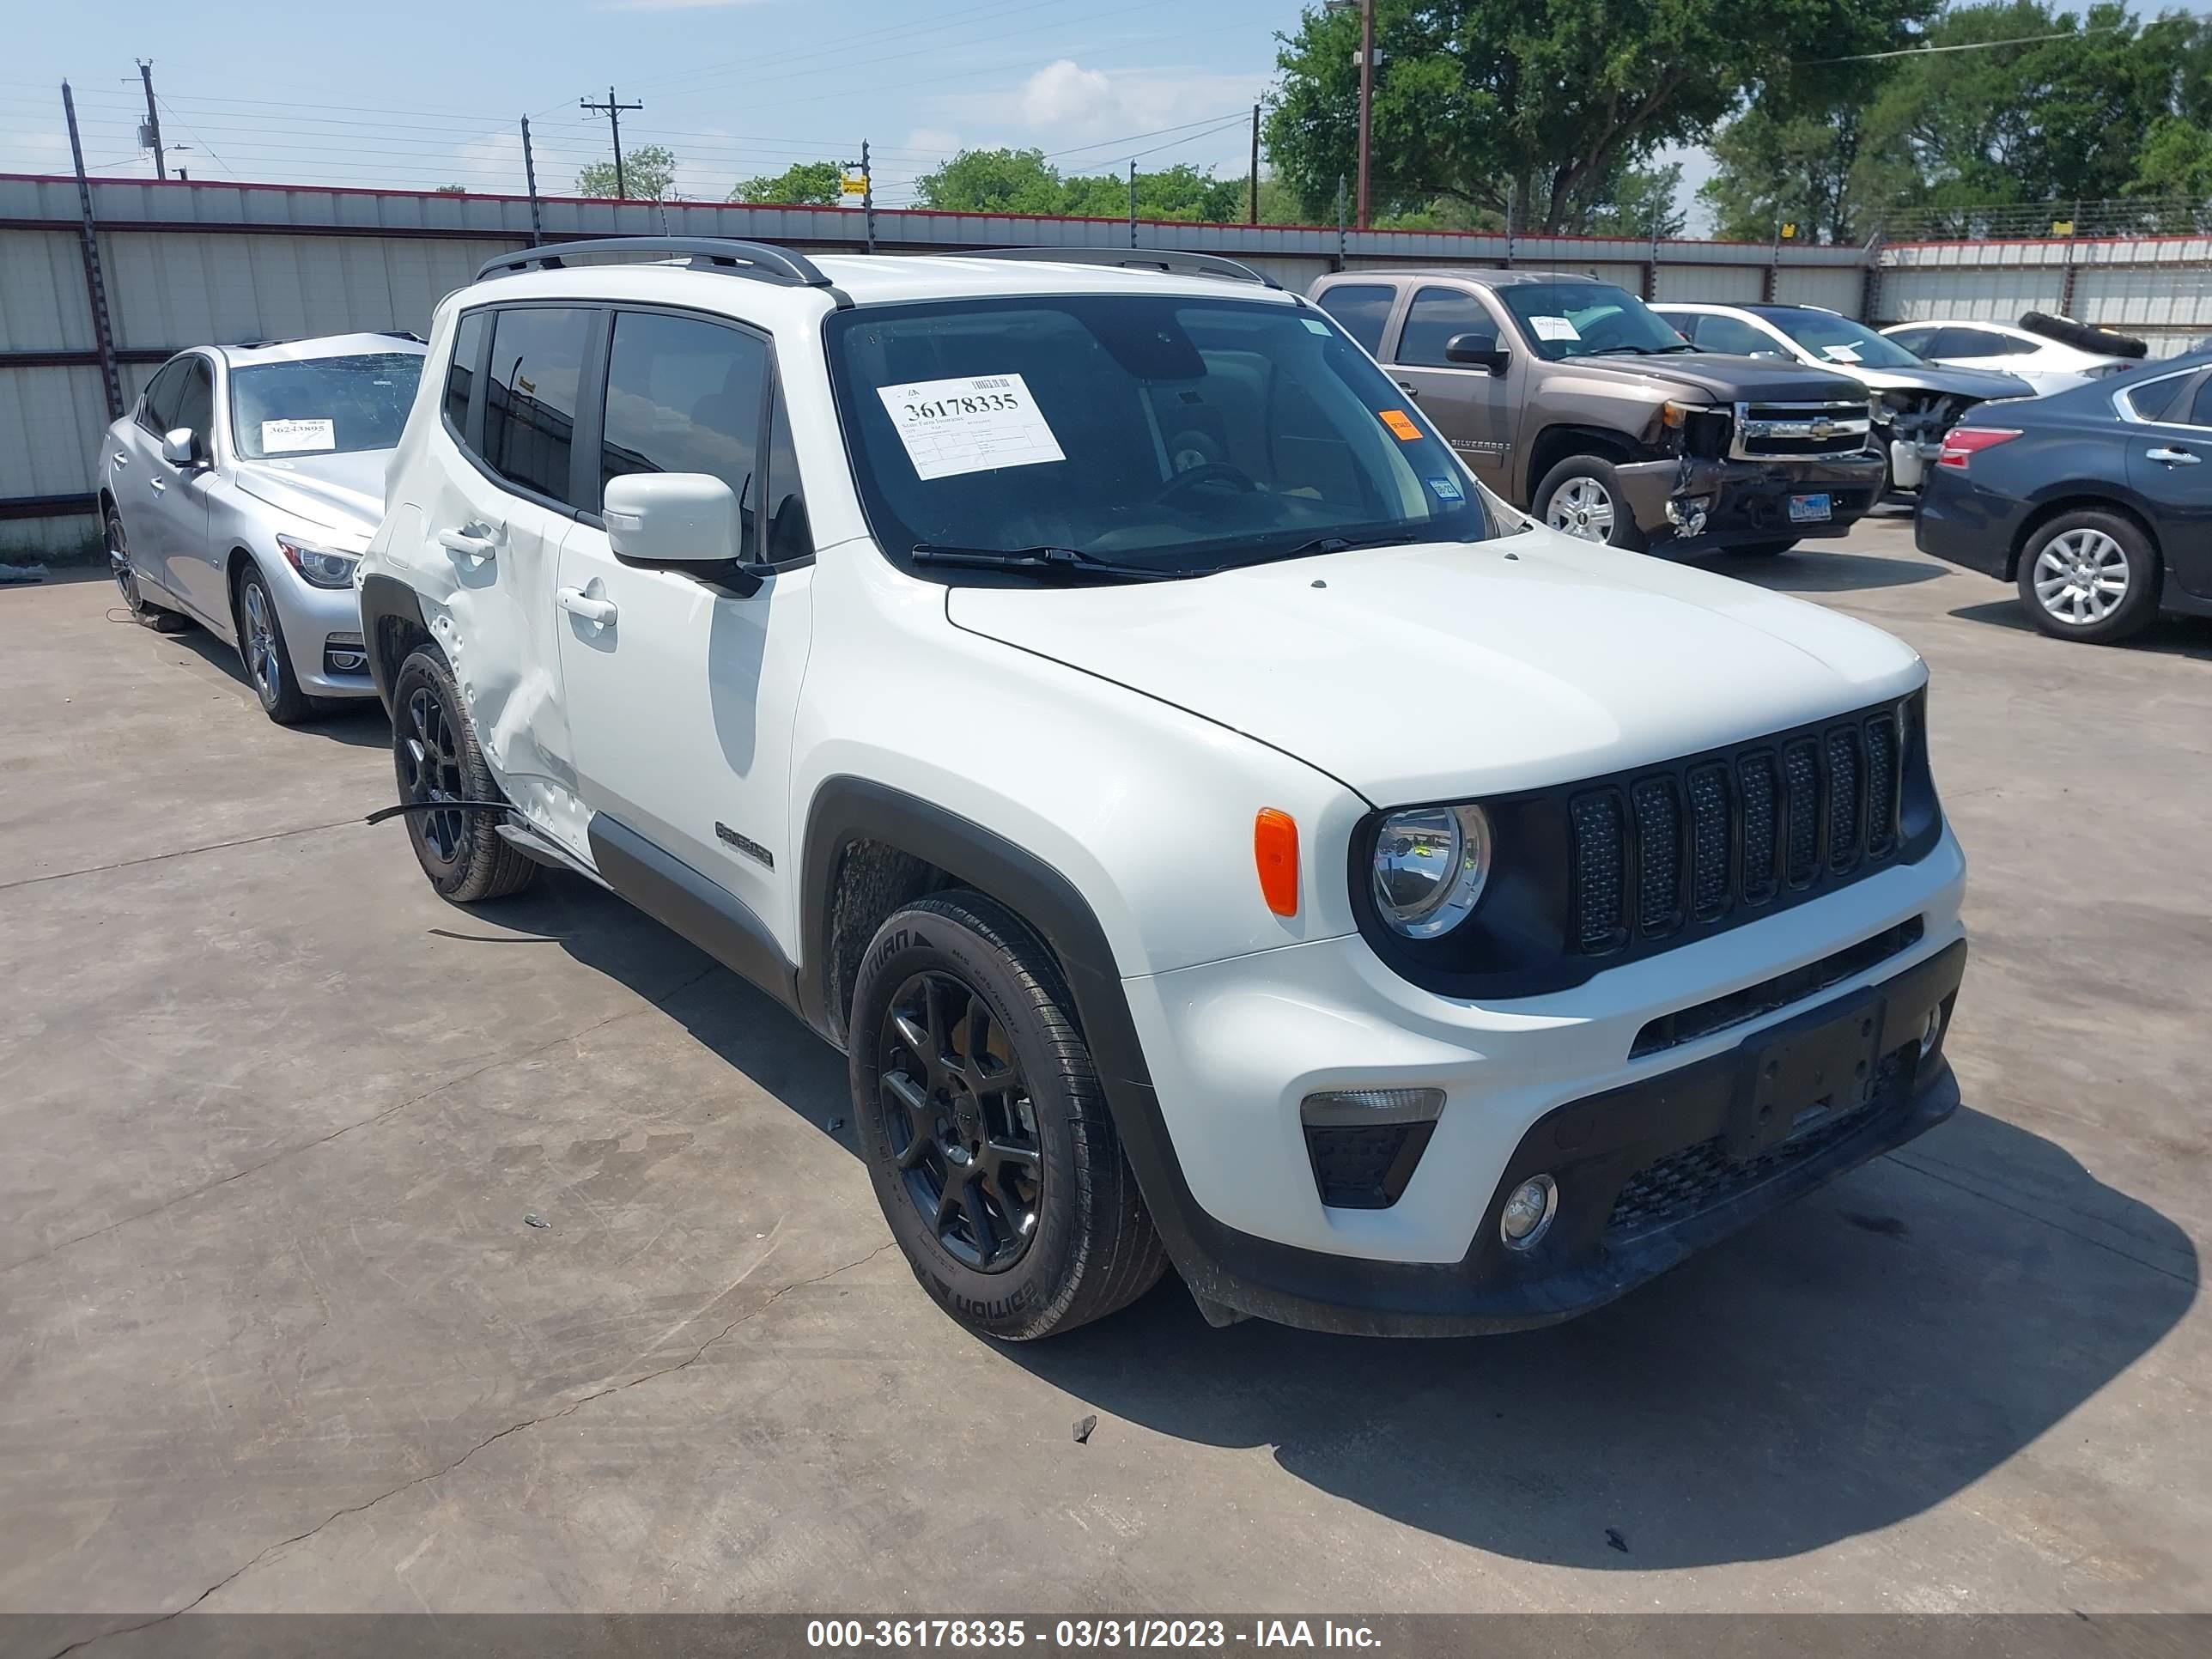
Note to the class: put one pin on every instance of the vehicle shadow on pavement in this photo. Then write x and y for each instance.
(357, 723)
(1807, 570)
(2169, 636)
(1851, 1361)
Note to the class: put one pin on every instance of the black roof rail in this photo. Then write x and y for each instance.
(1133, 259)
(757, 261)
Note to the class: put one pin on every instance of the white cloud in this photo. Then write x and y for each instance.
(932, 139)
(1070, 104)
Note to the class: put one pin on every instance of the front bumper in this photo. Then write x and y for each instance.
(1208, 1095)
(1723, 503)
(322, 630)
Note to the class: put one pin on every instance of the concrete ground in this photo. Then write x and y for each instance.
(273, 1334)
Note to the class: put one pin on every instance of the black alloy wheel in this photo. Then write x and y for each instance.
(960, 1122)
(430, 770)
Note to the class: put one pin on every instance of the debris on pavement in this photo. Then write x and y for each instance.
(1084, 1425)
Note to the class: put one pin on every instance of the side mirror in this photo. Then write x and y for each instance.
(178, 448)
(1477, 351)
(681, 518)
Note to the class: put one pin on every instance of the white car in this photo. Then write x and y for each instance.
(239, 491)
(2046, 364)
(1217, 831)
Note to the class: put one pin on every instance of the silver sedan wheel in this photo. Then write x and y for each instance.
(119, 563)
(1581, 508)
(2082, 576)
(263, 659)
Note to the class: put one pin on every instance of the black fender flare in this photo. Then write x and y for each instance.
(386, 602)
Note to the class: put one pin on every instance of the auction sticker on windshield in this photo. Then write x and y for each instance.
(282, 437)
(1553, 328)
(971, 423)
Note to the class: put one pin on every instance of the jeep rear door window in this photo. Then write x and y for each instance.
(1835, 338)
(461, 378)
(1190, 433)
(531, 396)
(1438, 316)
(323, 405)
(1364, 309)
(1587, 320)
(684, 395)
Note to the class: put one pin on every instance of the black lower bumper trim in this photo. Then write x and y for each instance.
(1749, 1161)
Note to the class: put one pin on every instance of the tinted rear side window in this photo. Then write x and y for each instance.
(2155, 400)
(468, 350)
(789, 535)
(529, 402)
(1363, 309)
(1437, 316)
(684, 396)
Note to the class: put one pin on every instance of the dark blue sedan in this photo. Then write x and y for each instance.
(2096, 502)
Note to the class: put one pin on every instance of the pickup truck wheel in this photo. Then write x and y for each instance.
(435, 752)
(2090, 575)
(1581, 497)
(984, 1128)
(142, 610)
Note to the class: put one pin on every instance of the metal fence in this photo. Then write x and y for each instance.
(182, 263)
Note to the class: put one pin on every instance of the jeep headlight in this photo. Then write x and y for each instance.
(1430, 863)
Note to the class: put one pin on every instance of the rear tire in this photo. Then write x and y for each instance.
(2090, 575)
(267, 657)
(143, 612)
(1581, 497)
(997, 1164)
(436, 756)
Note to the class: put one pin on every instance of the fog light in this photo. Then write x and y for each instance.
(1932, 1033)
(1528, 1210)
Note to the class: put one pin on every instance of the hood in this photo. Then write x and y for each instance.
(1725, 379)
(1979, 384)
(1448, 669)
(337, 492)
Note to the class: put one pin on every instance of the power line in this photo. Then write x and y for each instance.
(1965, 46)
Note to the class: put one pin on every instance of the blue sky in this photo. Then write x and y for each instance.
(408, 93)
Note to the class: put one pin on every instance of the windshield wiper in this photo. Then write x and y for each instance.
(1346, 544)
(1642, 350)
(1054, 562)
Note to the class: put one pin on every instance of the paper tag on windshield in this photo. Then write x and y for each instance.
(1553, 328)
(974, 424)
(1840, 354)
(282, 437)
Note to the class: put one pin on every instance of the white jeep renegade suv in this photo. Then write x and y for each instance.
(1085, 688)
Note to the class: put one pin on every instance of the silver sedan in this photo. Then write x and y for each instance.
(241, 492)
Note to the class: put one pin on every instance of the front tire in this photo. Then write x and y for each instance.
(436, 754)
(1581, 497)
(985, 1128)
(2090, 575)
(143, 612)
(267, 657)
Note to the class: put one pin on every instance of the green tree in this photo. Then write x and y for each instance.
(1023, 181)
(648, 175)
(992, 181)
(452, 189)
(2175, 159)
(804, 184)
(1555, 102)
(1814, 169)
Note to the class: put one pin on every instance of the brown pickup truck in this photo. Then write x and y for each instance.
(1569, 398)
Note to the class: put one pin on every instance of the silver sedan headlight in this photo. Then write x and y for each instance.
(322, 567)
(1431, 865)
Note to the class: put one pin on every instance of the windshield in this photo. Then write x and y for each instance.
(322, 405)
(1177, 433)
(1587, 320)
(1839, 340)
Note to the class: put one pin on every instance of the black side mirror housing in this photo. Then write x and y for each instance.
(1477, 351)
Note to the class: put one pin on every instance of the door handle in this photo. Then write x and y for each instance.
(1410, 390)
(156, 485)
(473, 539)
(2172, 456)
(601, 613)
(120, 459)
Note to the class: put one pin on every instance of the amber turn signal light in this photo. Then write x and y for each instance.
(1275, 852)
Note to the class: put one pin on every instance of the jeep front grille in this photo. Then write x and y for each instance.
(1711, 837)
(1767, 431)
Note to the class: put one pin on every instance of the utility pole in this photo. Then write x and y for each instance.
(612, 111)
(1339, 221)
(1132, 202)
(868, 196)
(152, 118)
(96, 285)
(1254, 218)
(1366, 99)
(530, 178)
